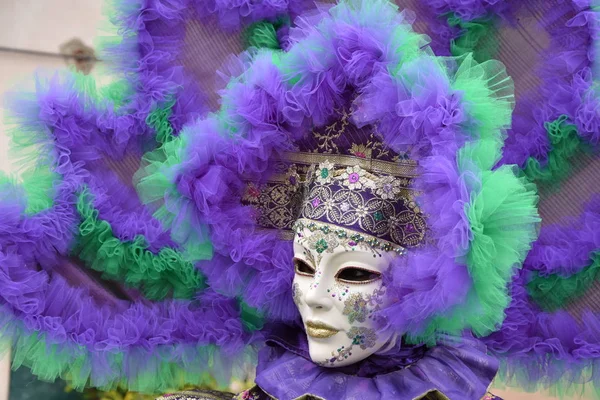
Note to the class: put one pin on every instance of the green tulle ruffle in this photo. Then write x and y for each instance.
(36, 188)
(477, 37)
(553, 292)
(579, 383)
(158, 276)
(488, 93)
(503, 217)
(148, 371)
(159, 121)
(262, 34)
(565, 143)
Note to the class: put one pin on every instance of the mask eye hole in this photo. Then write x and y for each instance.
(357, 275)
(302, 268)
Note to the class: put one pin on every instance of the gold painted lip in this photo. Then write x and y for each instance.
(320, 330)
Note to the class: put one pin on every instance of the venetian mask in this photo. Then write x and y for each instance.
(338, 289)
(352, 224)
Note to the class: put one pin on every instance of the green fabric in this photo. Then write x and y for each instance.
(261, 35)
(252, 319)
(565, 143)
(159, 121)
(156, 275)
(477, 37)
(488, 93)
(36, 189)
(116, 92)
(502, 217)
(39, 187)
(576, 384)
(151, 372)
(553, 292)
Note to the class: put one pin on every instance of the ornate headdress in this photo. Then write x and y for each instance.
(346, 183)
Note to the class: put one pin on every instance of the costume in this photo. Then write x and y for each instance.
(357, 137)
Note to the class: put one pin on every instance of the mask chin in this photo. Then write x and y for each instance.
(333, 354)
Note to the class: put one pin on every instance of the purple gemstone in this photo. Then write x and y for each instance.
(316, 202)
(352, 243)
(353, 177)
(293, 180)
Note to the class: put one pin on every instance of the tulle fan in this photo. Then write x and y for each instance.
(104, 284)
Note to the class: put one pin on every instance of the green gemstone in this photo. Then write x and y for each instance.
(378, 216)
(321, 246)
(324, 173)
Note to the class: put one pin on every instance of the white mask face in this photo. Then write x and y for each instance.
(337, 289)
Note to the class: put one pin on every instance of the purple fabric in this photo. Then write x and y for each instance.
(537, 347)
(43, 237)
(72, 126)
(119, 205)
(458, 367)
(153, 33)
(35, 298)
(468, 10)
(232, 14)
(565, 249)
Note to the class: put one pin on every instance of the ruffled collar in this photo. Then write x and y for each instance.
(459, 368)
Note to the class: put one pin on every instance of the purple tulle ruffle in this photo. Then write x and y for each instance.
(232, 14)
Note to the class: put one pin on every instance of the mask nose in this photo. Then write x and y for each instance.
(317, 298)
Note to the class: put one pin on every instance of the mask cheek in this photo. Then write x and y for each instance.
(298, 293)
(362, 304)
